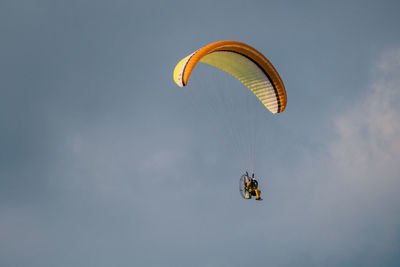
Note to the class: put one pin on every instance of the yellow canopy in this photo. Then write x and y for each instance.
(243, 62)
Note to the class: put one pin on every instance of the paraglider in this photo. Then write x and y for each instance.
(249, 187)
(251, 68)
(243, 62)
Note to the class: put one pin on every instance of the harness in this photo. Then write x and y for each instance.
(253, 185)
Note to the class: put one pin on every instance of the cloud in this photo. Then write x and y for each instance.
(355, 211)
(369, 133)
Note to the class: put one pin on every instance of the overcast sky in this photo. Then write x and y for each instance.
(104, 161)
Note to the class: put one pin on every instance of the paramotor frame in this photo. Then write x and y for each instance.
(242, 186)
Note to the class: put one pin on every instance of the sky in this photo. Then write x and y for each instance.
(104, 161)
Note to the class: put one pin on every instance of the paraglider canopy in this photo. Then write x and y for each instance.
(243, 62)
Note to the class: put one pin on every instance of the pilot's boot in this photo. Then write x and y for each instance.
(258, 193)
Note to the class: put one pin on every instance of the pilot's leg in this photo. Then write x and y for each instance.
(258, 195)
